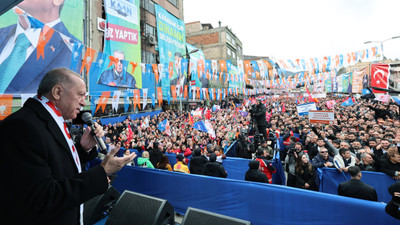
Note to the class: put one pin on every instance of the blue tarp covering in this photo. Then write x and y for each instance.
(331, 178)
(119, 119)
(256, 202)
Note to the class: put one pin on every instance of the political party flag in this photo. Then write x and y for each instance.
(115, 100)
(348, 102)
(383, 98)
(396, 99)
(216, 108)
(136, 98)
(126, 95)
(197, 112)
(330, 104)
(205, 126)
(365, 91)
(144, 90)
(164, 126)
(5, 106)
(102, 102)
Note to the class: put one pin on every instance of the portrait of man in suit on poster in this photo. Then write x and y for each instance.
(394, 77)
(21, 66)
(117, 75)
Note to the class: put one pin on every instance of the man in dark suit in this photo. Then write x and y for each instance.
(46, 182)
(57, 53)
(355, 188)
(115, 76)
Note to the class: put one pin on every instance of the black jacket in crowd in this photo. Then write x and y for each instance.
(214, 169)
(357, 189)
(253, 174)
(197, 163)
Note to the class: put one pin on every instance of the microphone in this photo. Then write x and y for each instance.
(87, 118)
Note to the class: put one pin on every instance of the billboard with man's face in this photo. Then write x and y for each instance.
(35, 37)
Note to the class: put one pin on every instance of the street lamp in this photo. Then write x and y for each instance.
(381, 42)
(187, 55)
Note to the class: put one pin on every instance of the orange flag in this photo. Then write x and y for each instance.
(170, 69)
(222, 64)
(44, 38)
(5, 106)
(155, 70)
(159, 96)
(173, 93)
(191, 119)
(134, 65)
(185, 92)
(198, 92)
(136, 98)
(103, 100)
(88, 59)
(113, 61)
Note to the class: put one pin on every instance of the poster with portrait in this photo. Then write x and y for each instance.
(394, 77)
(122, 45)
(35, 39)
(172, 48)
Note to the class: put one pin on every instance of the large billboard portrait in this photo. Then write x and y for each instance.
(122, 43)
(172, 48)
(35, 37)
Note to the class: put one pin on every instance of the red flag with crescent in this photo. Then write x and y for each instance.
(379, 76)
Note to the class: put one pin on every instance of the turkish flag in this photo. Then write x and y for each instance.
(379, 76)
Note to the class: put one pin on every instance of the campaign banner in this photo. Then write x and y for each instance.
(360, 80)
(321, 117)
(198, 68)
(347, 80)
(394, 77)
(43, 42)
(339, 83)
(303, 109)
(172, 48)
(121, 45)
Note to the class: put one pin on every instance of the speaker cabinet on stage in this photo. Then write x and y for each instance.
(138, 209)
(98, 207)
(201, 217)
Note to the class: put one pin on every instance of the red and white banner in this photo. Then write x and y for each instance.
(379, 76)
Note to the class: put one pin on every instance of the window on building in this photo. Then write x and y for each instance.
(233, 54)
(174, 2)
(228, 38)
(148, 5)
(233, 42)
(229, 52)
(150, 30)
(148, 57)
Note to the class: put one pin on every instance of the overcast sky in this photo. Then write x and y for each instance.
(290, 29)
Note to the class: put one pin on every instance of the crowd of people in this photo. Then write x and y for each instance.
(365, 135)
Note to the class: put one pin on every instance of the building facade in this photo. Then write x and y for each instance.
(217, 43)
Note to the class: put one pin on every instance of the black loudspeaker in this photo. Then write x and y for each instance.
(138, 209)
(201, 217)
(100, 206)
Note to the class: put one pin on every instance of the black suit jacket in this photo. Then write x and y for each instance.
(41, 184)
(357, 189)
(56, 54)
